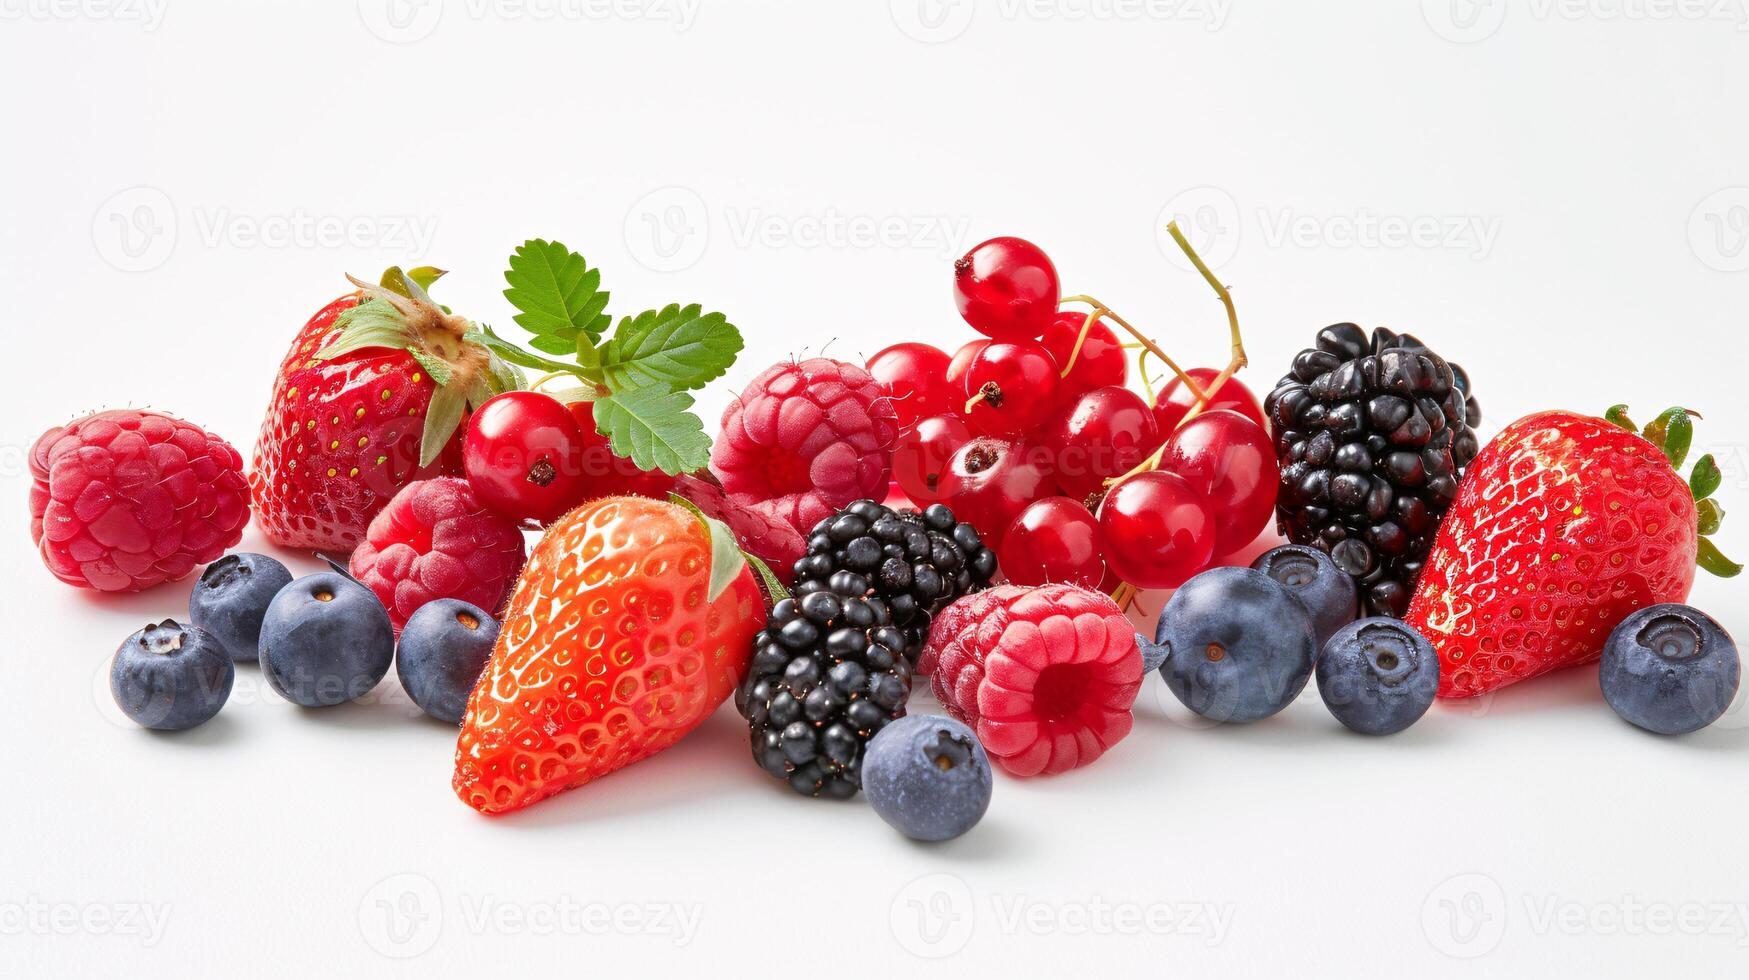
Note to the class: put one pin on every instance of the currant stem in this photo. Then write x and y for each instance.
(1081, 338)
(1146, 341)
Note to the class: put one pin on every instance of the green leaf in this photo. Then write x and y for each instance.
(1710, 559)
(1706, 477)
(372, 323)
(397, 281)
(681, 347)
(727, 559)
(437, 367)
(1618, 414)
(557, 295)
(654, 428)
(484, 337)
(773, 585)
(1708, 516)
(1672, 432)
(442, 418)
(425, 275)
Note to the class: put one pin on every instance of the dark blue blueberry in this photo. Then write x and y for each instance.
(1312, 576)
(1239, 645)
(232, 596)
(1670, 669)
(1378, 676)
(171, 677)
(927, 776)
(444, 647)
(325, 640)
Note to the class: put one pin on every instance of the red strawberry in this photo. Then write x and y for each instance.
(368, 399)
(124, 500)
(1563, 526)
(633, 621)
(435, 540)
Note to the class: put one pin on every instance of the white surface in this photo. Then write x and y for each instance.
(1590, 156)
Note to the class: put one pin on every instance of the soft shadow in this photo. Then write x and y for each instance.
(219, 730)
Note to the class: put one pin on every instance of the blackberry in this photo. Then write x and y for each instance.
(828, 672)
(916, 562)
(1373, 434)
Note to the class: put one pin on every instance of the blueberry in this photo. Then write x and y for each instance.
(444, 647)
(325, 640)
(1313, 578)
(170, 677)
(1239, 645)
(927, 776)
(1670, 669)
(1378, 676)
(232, 596)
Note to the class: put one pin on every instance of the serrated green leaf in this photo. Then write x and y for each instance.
(654, 428)
(372, 323)
(557, 296)
(727, 559)
(681, 347)
(1710, 559)
(442, 418)
(1706, 477)
(437, 367)
(1618, 415)
(1708, 516)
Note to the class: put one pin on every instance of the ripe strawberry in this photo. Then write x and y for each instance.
(436, 540)
(368, 400)
(633, 620)
(1564, 525)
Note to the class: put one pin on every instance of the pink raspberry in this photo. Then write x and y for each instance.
(435, 540)
(1046, 676)
(806, 438)
(770, 539)
(956, 619)
(128, 499)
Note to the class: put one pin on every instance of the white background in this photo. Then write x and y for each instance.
(1576, 176)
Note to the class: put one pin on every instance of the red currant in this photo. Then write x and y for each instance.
(605, 473)
(1158, 530)
(1228, 459)
(990, 481)
(962, 360)
(1175, 400)
(1053, 540)
(522, 455)
(916, 377)
(1013, 386)
(921, 458)
(1105, 433)
(1006, 288)
(1100, 362)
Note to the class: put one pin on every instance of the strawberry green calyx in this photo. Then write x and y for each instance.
(398, 314)
(1672, 432)
(727, 558)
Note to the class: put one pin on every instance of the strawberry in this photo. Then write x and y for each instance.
(368, 399)
(1564, 525)
(632, 622)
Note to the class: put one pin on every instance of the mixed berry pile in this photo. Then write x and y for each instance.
(982, 519)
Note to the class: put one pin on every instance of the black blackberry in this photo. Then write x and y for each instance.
(916, 562)
(1373, 434)
(828, 672)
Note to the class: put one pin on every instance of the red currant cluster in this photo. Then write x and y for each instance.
(1030, 434)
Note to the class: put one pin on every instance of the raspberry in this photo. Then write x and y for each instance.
(766, 537)
(954, 620)
(435, 540)
(805, 439)
(1046, 676)
(128, 499)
